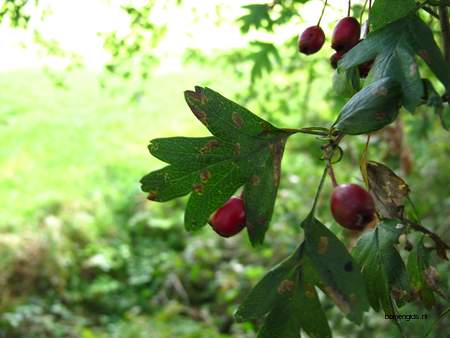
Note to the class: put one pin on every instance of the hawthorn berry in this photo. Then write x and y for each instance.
(345, 34)
(311, 40)
(335, 58)
(352, 206)
(229, 219)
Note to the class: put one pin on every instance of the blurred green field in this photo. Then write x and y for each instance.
(77, 146)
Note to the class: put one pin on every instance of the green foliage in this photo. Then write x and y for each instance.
(393, 48)
(381, 265)
(384, 12)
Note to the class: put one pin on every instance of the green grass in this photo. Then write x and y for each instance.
(72, 148)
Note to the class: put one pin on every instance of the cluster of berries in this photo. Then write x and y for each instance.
(346, 35)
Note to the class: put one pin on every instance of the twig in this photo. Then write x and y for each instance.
(323, 10)
(445, 29)
(441, 246)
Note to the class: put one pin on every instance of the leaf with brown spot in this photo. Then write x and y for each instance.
(328, 258)
(388, 189)
(368, 110)
(243, 147)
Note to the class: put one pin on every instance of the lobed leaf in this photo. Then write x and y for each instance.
(381, 265)
(243, 151)
(264, 295)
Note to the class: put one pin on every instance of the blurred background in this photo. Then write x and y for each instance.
(86, 84)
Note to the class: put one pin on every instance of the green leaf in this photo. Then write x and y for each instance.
(426, 47)
(262, 54)
(346, 82)
(297, 307)
(340, 277)
(372, 108)
(244, 151)
(394, 48)
(264, 295)
(418, 262)
(384, 12)
(381, 265)
(283, 321)
(257, 17)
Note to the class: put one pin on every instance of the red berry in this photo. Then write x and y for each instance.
(352, 206)
(229, 219)
(345, 34)
(311, 40)
(335, 58)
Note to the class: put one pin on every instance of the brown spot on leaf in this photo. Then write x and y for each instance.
(413, 69)
(237, 119)
(380, 91)
(286, 286)
(338, 299)
(348, 266)
(205, 175)
(424, 55)
(309, 291)
(198, 95)
(237, 149)
(255, 180)
(380, 116)
(322, 246)
(261, 220)
(152, 195)
(209, 146)
(201, 115)
(198, 188)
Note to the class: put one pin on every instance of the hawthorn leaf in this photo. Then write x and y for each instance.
(388, 189)
(384, 12)
(426, 47)
(298, 307)
(381, 265)
(244, 151)
(418, 263)
(264, 295)
(283, 321)
(372, 108)
(340, 276)
(394, 48)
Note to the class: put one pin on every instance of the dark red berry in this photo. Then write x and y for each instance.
(229, 219)
(364, 68)
(335, 58)
(345, 34)
(311, 40)
(352, 206)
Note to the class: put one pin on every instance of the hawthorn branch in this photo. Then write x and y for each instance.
(441, 246)
(445, 29)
